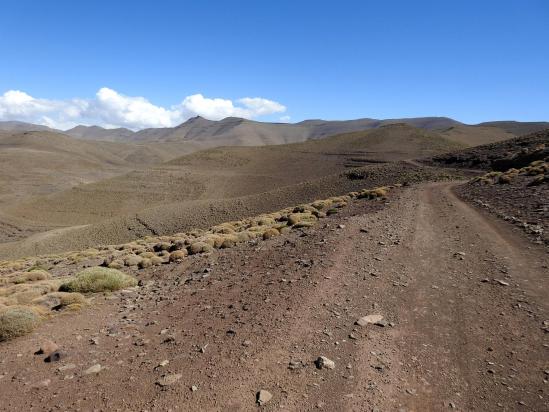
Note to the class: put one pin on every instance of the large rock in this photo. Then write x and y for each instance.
(370, 319)
(324, 363)
(263, 397)
(47, 347)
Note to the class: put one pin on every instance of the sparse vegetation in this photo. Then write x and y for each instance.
(98, 279)
(17, 321)
(538, 168)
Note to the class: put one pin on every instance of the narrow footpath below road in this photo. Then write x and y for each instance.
(463, 296)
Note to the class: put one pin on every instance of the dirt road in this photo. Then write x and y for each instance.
(463, 298)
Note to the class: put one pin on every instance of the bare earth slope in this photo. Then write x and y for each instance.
(234, 131)
(476, 135)
(204, 186)
(518, 128)
(462, 297)
(516, 188)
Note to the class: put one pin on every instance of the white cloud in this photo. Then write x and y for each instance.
(112, 109)
(285, 119)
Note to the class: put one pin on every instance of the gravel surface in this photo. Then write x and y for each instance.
(460, 300)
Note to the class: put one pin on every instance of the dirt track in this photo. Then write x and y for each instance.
(464, 295)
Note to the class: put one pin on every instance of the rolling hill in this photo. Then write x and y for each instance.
(518, 128)
(233, 131)
(215, 184)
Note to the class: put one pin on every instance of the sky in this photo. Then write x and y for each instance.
(139, 64)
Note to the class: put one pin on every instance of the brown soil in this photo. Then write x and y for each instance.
(216, 185)
(464, 299)
(517, 202)
(501, 156)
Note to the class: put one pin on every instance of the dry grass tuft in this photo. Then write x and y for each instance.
(98, 279)
(17, 321)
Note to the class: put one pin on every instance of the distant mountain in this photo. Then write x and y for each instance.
(323, 128)
(234, 131)
(231, 131)
(19, 127)
(518, 128)
(100, 133)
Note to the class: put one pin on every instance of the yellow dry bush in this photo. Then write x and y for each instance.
(365, 194)
(147, 255)
(380, 192)
(536, 170)
(256, 229)
(17, 321)
(270, 233)
(157, 260)
(145, 263)
(61, 301)
(116, 264)
(263, 221)
(199, 247)
(214, 240)
(32, 276)
(178, 255)
(304, 209)
(504, 179)
(299, 218)
(132, 260)
(493, 174)
(244, 236)
(98, 279)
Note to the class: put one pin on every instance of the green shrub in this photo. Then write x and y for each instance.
(16, 321)
(98, 279)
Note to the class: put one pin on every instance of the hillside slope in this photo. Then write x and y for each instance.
(213, 184)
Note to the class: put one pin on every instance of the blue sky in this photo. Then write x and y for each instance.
(470, 60)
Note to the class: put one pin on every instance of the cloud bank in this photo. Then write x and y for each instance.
(112, 109)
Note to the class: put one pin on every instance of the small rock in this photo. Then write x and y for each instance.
(365, 320)
(168, 380)
(93, 369)
(66, 367)
(42, 384)
(194, 388)
(293, 365)
(263, 397)
(501, 282)
(324, 363)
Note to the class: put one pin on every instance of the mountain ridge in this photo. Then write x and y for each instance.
(244, 132)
